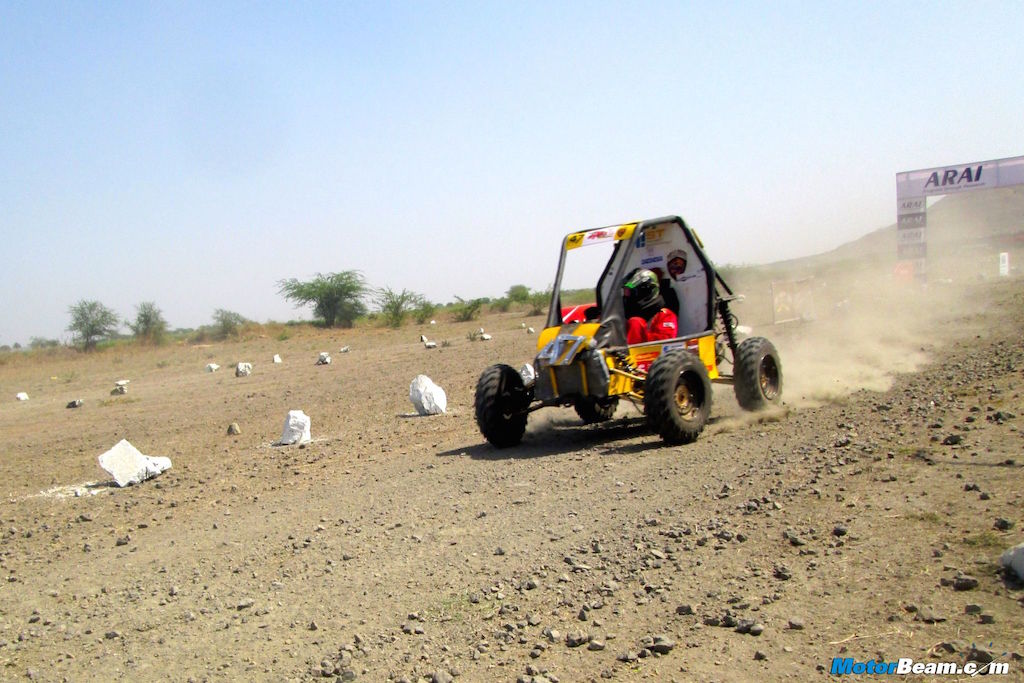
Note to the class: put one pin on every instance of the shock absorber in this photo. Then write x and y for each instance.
(624, 362)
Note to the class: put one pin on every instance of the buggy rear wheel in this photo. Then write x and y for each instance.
(677, 396)
(501, 402)
(757, 376)
(593, 410)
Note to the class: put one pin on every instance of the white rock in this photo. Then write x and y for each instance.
(277, 358)
(430, 345)
(423, 339)
(324, 359)
(128, 466)
(485, 337)
(528, 374)
(296, 429)
(212, 367)
(22, 396)
(1013, 559)
(433, 322)
(243, 369)
(530, 330)
(122, 382)
(427, 397)
(345, 349)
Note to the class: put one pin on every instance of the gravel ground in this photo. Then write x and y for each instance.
(863, 519)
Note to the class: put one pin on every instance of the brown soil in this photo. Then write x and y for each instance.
(396, 546)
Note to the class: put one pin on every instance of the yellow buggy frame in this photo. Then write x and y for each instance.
(583, 358)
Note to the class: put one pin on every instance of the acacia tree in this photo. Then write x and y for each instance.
(336, 297)
(227, 323)
(394, 306)
(91, 321)
(149, 325)
(518, 294)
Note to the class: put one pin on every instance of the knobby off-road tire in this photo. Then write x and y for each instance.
(677, 396)
(593, 410)
(500, 402)
(757, 375)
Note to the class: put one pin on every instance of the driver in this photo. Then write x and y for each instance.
(647, 318)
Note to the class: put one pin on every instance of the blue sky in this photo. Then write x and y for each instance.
(193, 154)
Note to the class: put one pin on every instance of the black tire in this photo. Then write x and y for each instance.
(757, 375)
(677, 396)
(593, 410)
(501, 401)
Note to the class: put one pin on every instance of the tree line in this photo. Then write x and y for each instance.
(337, 299)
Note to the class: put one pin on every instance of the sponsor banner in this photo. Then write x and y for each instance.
(911, 221)
(903, 271)
(792, 300)
(911, 205)
(911, 251)
(599, 236)
(950, 179)
(910, 236)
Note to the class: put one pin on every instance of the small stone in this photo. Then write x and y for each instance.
(684, 610)
(987, 619)
(928, 616)
(972, 609)
(952, 440)
(965, 583)
(760, 656)
(796, 624)
(840, 530)
(595, 645)
(662, 645)
(757, 629)
(576, 638)
(234, 429)
(1003, 524)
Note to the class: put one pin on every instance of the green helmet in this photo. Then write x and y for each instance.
(640, 288)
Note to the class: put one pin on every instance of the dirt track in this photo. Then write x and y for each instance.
(400, 547)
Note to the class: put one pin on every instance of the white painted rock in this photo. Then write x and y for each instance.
(277, 358)
(324, 359)
(212, 367)
(345, 349)
(427, 397)
(296, 429)
(21, 396)
(128, 466)
(243, 369)
(1013, 559)
(122, 382)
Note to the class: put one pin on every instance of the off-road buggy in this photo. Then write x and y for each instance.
(584, 360)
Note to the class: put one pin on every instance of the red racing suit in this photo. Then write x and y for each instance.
(662, 325)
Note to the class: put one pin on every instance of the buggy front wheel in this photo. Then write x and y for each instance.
(677, 396)
(501, 402)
